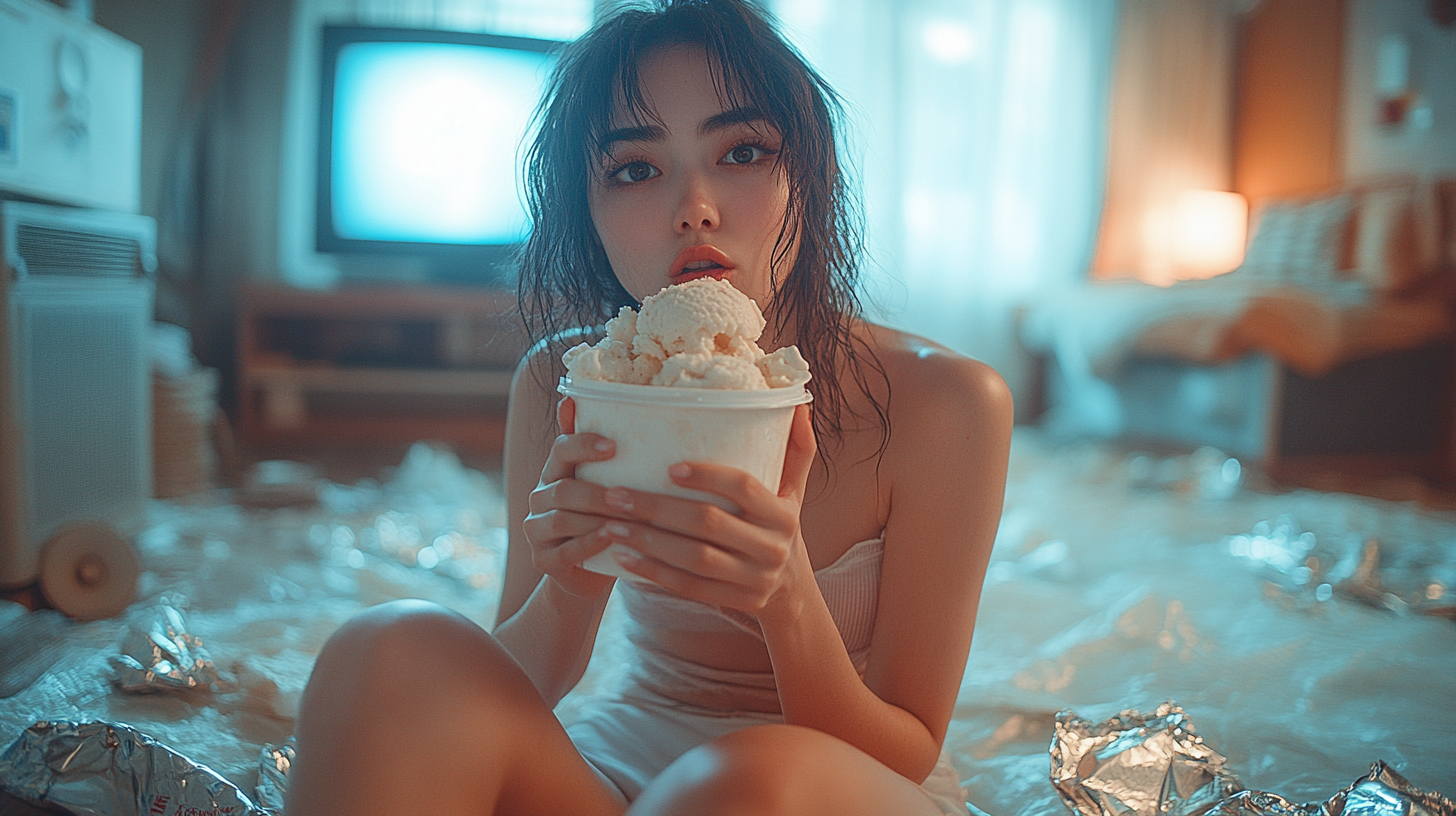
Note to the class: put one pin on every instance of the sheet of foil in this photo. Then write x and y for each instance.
(1133, 763)
(273, 768)
(1382, 792)
(164, 656)
(110, 769)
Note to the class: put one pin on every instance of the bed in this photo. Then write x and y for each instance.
(1107, 590)
(1330, 346)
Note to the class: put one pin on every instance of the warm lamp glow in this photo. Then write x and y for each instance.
(1211, 229)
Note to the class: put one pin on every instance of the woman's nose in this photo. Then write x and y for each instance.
(697, 209)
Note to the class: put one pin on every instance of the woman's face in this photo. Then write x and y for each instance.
(701, 195)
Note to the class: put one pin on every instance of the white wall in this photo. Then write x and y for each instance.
(1370, 147)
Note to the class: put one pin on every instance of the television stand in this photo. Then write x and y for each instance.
(377, 365)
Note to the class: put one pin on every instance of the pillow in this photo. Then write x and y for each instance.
(1299, 241)
(1387, 252)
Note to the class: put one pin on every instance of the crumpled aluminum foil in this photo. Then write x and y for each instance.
(113, 769)
(1382, 792)
(164, 656)
(1306, 569)
(1144, 764)
(273, 767)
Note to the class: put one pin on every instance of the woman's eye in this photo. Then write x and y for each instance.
(743, 154)
(634, 172)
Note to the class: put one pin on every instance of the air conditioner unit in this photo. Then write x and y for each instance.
(70, 109)
(76, 295)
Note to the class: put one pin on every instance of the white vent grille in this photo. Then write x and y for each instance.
(75, 388)
(43, 250)
(83, 401)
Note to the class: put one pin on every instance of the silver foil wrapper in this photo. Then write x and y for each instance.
(273, 767)
(110, 769)
(1144, 764)
(1304, 569)
(1382, 792)
(164, 656)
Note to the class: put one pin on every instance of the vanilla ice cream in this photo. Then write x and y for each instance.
(724, 400)
(698, 334)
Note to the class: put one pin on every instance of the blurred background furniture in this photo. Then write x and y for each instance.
(78, 265)
(1330, 347)
(377, 365)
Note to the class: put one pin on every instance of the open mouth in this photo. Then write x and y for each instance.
(700, 261)
(702, 269)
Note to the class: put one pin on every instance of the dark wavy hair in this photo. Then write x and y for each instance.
(565, 279)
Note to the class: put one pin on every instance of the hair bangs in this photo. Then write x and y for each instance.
(566, 280)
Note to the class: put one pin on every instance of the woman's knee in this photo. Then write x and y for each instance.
(404, 646)
(765, 770)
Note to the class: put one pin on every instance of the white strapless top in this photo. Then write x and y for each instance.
(851, 589)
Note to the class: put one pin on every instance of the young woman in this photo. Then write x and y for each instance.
(800, 657)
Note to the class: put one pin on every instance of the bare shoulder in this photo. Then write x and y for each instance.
(537, 373)
(934, 389)
(531, 413)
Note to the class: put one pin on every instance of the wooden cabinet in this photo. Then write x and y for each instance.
(377, 365)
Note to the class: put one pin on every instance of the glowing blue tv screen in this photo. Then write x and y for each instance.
(421, 138)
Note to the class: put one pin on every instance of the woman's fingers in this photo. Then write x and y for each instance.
(688, 583)
(566, 415)
(799, 458)
(570, 538)
(689, 554)
(571, 449)
(701, 521)
(567, 514)
(558, 524)
(756, 503)
(572, 551)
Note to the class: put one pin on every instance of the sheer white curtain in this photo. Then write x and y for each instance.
(1171, 127)
(979, 129)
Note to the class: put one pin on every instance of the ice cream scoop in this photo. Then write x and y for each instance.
(684, 380)
(698, 334)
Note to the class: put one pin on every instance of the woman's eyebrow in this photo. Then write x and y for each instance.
(653, 133)
(641, 133)
(730, 118)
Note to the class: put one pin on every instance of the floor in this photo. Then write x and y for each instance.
(1300, 629)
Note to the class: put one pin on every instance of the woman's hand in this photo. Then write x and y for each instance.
(747, 562)
(566, 523)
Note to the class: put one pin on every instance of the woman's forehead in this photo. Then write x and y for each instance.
(671, 74)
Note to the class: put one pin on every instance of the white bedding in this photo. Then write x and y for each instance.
(1102, 596)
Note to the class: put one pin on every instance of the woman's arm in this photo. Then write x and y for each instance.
(547, 625)
(946, 467)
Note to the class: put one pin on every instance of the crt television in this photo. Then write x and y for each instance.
(421, 133)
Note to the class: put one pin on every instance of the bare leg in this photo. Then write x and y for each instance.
(780, 769)
(412, 708)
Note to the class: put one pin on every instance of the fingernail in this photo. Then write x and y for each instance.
(604, 445)
(616, 529)
(626, 557)
(680, 471)
(617, 497)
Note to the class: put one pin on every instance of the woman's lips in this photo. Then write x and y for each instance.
(700, 261)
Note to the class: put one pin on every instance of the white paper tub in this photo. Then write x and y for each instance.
(656, 427)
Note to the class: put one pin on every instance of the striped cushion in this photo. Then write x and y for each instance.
(1299, 241)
